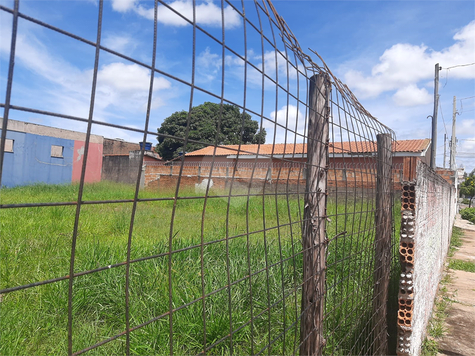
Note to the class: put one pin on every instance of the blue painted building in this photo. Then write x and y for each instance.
(41, 154)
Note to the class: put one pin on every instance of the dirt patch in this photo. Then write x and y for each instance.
(464, 224)
(460, 322)
(462, 288)
(460, 325)
(467, 251)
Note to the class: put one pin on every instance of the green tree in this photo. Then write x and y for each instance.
(467, 187)
(234, 127)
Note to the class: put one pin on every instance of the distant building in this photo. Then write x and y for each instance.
(119, 147)
(337, 150)
(123, 167)
(350, 164)
(41, 154)
(461, 173)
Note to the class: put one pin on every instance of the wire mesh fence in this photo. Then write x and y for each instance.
(262, 232)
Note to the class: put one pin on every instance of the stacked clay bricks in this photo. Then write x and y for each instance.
(406, 253)
(408, 197)
(403, 342)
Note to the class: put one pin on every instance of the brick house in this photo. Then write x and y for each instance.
(350, 164)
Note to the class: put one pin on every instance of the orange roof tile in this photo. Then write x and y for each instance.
(265, 149)
(299, 148)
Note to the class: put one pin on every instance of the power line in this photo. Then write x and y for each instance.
(443, 120)
(461, 104)
(461, 65)
(456, 66)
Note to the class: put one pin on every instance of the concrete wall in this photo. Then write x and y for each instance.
(119, 169)
(124, 168)
(428, 212)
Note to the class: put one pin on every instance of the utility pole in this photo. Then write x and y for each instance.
(445, 145)
(453, 141)
(434, 117)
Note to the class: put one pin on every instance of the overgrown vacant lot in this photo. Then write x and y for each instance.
(261, 261)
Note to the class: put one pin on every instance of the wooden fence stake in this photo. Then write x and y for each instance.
(313, 231)
(382, 261)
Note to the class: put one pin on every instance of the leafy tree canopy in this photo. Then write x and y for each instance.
(467, 187)
(204, 121)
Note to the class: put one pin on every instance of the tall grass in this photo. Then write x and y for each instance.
(257, 235)
(35, 245)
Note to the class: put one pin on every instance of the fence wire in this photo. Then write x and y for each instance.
(201, 253)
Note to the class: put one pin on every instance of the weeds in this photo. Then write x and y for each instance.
(436, 327)
(461, 265)
(429, 347)
(35, 245)
(455, 240)
(256, 239)
(443, 300)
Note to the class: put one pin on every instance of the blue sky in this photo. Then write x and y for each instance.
(385, 51)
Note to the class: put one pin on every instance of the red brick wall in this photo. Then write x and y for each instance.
(348, 172)
(339, 176)
(447, 174)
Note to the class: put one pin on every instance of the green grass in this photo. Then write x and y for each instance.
(443, 301)
(455, 240)
(461, 265)
(35, 245)
(429, 347)
(436, 328)
(468, 214)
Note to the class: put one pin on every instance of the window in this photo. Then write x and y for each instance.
(57, 151)
(8, 145)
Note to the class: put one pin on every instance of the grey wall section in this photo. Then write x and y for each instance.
(117, 147)
(35, 129)
(31, 161)
(120, 168)
(429, 206)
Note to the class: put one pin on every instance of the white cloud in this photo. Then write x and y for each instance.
(282, 68)
(126, 86)
(207, 13)
(123, 5)
(66, 89)
(404, 65)
(120, 43)
(465, 152)
(208, 65)
(35, 56)
(129, 78)
(275, 66)
(411, 95)
(290, 117)
(464, 126)
(468, 145)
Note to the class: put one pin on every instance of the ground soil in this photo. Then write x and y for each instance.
(460, 322)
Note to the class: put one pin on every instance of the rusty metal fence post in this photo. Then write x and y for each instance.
(382, 264)
(313, 232)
